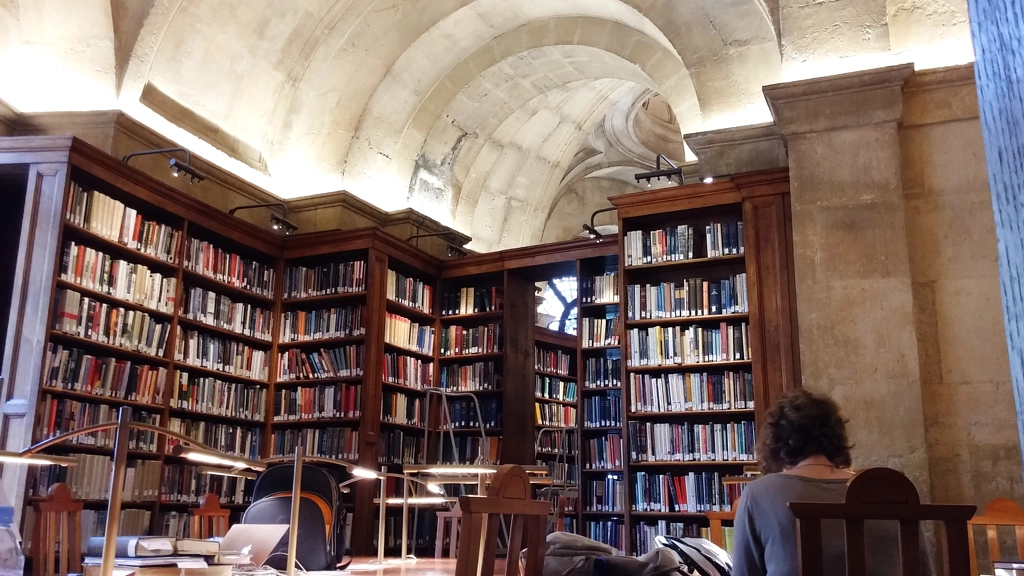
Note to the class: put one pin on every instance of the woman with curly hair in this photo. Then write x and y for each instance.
(805, 457)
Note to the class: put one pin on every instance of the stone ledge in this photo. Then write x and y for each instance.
(738, 150)
(940, 95)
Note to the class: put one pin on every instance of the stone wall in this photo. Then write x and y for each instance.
(578, 201)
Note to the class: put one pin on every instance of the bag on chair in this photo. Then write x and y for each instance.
(698, 556)
(573, 555)
(321, 527)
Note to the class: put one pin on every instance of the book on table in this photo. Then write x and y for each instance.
(134, 546)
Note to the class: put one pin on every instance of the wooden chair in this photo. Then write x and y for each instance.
(510, 493)
(716, 519)
(881, 494)
(209, 520)
(59, 520)
(560, 510)
(999, 512)
(453, 517)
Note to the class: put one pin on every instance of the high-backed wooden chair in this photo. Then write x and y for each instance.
(881, 494)
(209, 520)
(453, 517)
(509, 494)
(999, 512)
(560, 509)
(59, 520)
(716, 519)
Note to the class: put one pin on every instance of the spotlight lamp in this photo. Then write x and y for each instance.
(455, 241)
(658, 173)
(592, 228)
(177, 166)
(277, 222)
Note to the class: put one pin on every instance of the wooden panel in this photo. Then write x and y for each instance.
(518, 426)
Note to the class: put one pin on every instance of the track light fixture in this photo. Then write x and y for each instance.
(177, 167)
(277, 222)
(658, 173)
(591, 228)
(456, 252)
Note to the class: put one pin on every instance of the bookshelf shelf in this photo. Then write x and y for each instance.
(84, 397)
(698, 365)
(744, 411)
(407, 427)
(341, 297)
(555, 375)
(636, 514)
(185, 366)
(487, 431)
(597, 305)
(471, 357)
(600, 428)
(600, 348)
(95, 503)
(414, 314)
(320, 342)
(195, 414)
(404, 388)
(250, 340)
(475, 317)
(550, 454)
(598, 513)
(108, 348)
(315, 381)
(102, 451)
(692, 463)
(225, 289)
(552, 338)
(477, 392)
(572, 403)
(732, 258)
(601, 471)
(345, 422)
(677, 320)
(116, 248)
(117, 302)
(409, 352)
(590, 389)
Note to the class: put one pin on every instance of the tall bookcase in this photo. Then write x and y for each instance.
(337, 339)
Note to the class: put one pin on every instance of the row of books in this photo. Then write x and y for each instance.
(603, 410)
(603, 452)
(228, 438)
(611, 532)
(683, 242)
(555, 415)
(89, 478)
(111, 219)
(603, 371)
(466, 449)
(176, 524)
(471, 377)
(61, 415)
(222, 354)
(596, 332)
(410, 291)
(691, 392)
(470, 300)
(208, 307)
(404, 333)
(232, 269)
(408, 371)
(324, 280)
(600, 289)
(316, 402)
(692, 492)
(216, 397)
(554, 388)
(340, 362)
(122, 280)
(645, 532)
(560, 442)
(336, 443)
(400, 447)
(73, 369)
(692, 297)
(399, 408)
(554, 361)
(185, 484)
(663, 442)
(306, 325)
(605, 495)
(562, 472)
(665, 345)
(91, 319)
(463, 415)
(458, 340)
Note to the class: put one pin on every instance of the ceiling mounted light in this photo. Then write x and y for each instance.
(658, 173)
(278, 222)
(177, 167)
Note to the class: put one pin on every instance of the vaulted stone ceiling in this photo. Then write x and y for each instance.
(480, 113)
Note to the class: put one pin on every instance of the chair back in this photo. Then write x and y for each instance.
(717, 535)
(881, 494)
(510, 493)
(59, 523)
(999, 512)
(209, 520)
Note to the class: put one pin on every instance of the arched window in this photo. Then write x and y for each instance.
(560, 302)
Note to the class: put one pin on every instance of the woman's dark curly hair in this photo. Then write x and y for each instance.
(802, 425)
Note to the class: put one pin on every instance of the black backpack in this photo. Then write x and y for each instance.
(321, 543)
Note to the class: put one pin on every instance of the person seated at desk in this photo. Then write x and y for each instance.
(805, 456)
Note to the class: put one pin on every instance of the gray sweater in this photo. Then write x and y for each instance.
(764, 542)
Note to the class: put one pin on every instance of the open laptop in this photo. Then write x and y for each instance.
(253, 540)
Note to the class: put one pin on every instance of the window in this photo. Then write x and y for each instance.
(559, 303)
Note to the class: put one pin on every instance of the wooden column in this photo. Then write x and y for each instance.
(519, 422)
(997, 27)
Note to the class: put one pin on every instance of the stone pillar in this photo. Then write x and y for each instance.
(853, 279)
